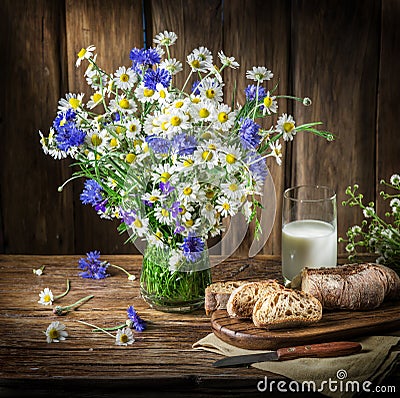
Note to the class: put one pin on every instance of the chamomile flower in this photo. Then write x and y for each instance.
(223, 118)
(46, 297)
(286, 126)
(276, 151)
(165, 38)
(95, 99)
(140, 226)
(164, 173)
(152, 197)
(145, 94)
(206, 155)
(56, 332)
(203, 111)
(133, 127)
(208, 211)
(247, 210)
(172, 66)
(188, 192)
(163, 215)
(232, 190)
(162, 95)
(269, 104)
(177, 121)
(186, 211)
(71, 101)
(97, 139)
(84, 53)
(197, 64)
(259, 74)
(230, 157)
(226, 207)
(211, 90)
(228, 61)
(124, 337)
(125, 78)
(395, 179)
(123, 105)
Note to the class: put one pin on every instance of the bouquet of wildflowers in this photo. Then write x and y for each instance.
(170, 163)
(375, 234)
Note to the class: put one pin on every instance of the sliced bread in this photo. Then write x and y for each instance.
(286, 308)
(217, 295)
(243, 299)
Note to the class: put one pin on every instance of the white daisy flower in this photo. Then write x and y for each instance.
(124, 336)
(161, 94)
(71, 101)
(144, 94)
(172, 66)
(125, 78)
(156, 239)
(39, 271)
(163, 215)
(276, 151)
(56, 332)
(85, 53)
(95, 99)
(223, 118)
(259, 74)
(208, 211)
(395, 179)
(247, 210)
(96, 79)
(228, 61)
(133, 127)
(226, 207)
(186, 211)
(140, 226)
(286, 126)
(46, 297)
(197, 64)
(123, 105)
(369, 212)
(206, 155)
(97, 139)
(395, 205)
(203, 53)
(154, 196)
(164, 172)
(165, 38)
(211, 90)
(230, 157)
(203, 111)
(177, 122)
(188, 192)
(232, 190)
(270, 105)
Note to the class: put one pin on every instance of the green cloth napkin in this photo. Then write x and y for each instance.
(346, 373)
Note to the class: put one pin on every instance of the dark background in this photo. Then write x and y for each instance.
(343, 54)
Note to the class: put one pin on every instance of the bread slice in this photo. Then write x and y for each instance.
(242, 299)
(217, 295)
(286, 308)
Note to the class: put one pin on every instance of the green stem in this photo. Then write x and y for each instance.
(94, 326)
(130, 276)
(58, 310)
(65, 293)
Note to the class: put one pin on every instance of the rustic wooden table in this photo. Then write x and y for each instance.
(90, 364)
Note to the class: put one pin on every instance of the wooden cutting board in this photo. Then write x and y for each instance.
(334, 325)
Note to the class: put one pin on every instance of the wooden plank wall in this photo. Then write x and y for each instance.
(343, 54)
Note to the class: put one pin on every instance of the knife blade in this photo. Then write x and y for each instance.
(322, 350)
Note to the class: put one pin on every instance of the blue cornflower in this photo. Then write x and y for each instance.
(166, 187)
(179, 228)
(91, 193)
(138, 323)
(127, 216)
(158, 144)
(257, 166)
(153, 77)
(64, 117)
(195, 87)
(193, 247)
(251, 91)
(249, 133)
(144, 57)
(92, 266)
(175, 209)
(184, 144)
(68, 134)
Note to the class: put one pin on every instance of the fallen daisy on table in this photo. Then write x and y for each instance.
(39, 271)
(56, 332)
(46, 296)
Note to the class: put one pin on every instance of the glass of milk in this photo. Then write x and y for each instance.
(309, 229)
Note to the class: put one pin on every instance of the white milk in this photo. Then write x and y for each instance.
(307, 243)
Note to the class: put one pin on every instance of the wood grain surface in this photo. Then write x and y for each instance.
(338, 325)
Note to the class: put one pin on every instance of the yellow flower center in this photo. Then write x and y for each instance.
(119, 129)
(267, 101)
(187, 191)
(158, 235)
(188, 162)
(124, 103)
(288, 126)
(222, 117)
(230, 158)
(164, 212)
(153, 198)
(203, 112)
(148, 92)
(82, 53)
(74, 102)
(97, 97)
(163, 94)
(226, 206)
(233, 187)
(210, 194)
(53, 334)
(175, 120)
(137, 142)
(206, 135)
(132, 128)
(62, 122)
(195, 63)
(179, 104)
(96, 140)
(209, 207)
(137, 223)
(47, 298)
(213, 147)
(164, 126)
(130, 158)
(123, 338)
(165, 177)
(124, 77)
(189, 223)
(183, 210)
(210, 93)
(277, 151)
(195, 100)
(113, 142)
(207, 156)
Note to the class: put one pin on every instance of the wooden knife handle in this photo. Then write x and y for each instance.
(323, 350)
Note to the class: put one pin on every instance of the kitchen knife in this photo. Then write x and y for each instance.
(323, 350)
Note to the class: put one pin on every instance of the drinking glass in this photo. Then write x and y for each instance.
(309, 229)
